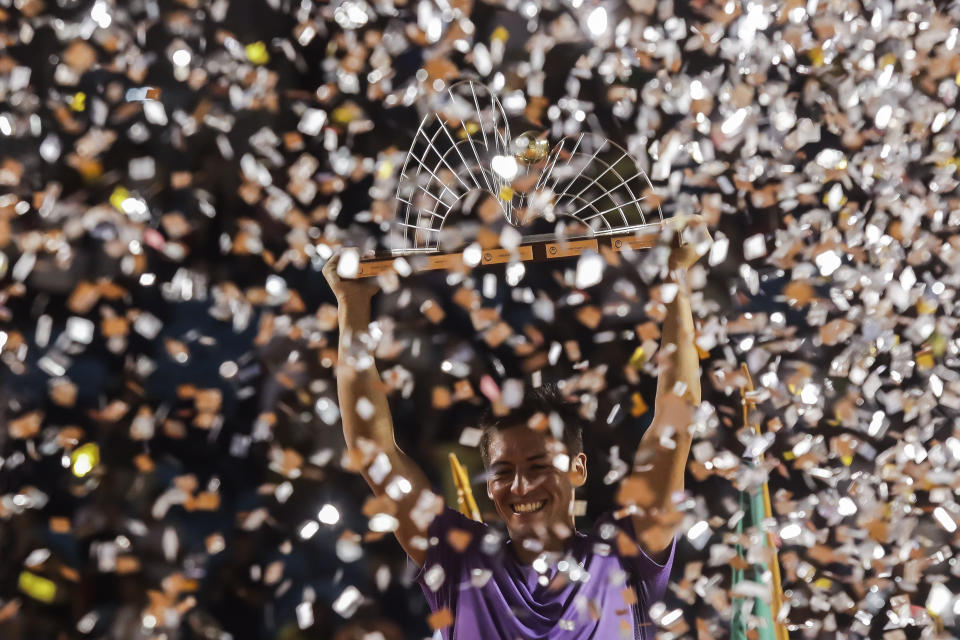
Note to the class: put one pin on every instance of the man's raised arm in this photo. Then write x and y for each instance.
(370, 440)
(662, 465)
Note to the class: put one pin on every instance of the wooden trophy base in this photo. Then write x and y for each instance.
(533, 249)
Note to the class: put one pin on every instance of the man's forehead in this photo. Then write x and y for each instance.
(522, 442)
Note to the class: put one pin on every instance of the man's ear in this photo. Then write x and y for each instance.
(578, 470)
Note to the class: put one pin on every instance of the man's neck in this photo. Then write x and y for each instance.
(554, 544)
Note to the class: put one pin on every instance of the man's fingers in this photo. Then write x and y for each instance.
(330, 265)
(686, 225)
(348, 263)
(684, 220)
(330, 268)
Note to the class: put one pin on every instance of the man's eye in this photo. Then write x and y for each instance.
(541, 467)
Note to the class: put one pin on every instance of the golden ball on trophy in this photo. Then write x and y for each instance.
(531, 147)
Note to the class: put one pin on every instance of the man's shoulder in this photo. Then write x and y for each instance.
(609, 523)
(451, 517)
(452, 538)
(615, 530)
(452, 528)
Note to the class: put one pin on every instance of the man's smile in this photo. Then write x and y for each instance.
(520, 508)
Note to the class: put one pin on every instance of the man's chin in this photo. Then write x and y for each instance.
(527, 520)
(533, 525)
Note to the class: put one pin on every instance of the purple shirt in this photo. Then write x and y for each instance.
(493, 596)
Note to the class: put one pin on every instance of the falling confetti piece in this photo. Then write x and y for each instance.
(589, 270)
(347, 602)
(638, 406)
(256, 52)
(440, 619)
(37, 587)
(84, 459)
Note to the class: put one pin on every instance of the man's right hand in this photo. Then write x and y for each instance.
(349, 291)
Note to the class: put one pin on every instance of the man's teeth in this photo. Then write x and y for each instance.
(527, 507)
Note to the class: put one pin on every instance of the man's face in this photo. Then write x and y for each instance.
(531, 493)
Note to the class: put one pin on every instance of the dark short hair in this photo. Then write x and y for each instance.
(545, 399)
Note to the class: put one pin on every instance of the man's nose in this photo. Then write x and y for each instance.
(521, 484)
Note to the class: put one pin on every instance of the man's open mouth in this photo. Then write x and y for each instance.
(528, 507)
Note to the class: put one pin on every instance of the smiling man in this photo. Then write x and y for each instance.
(545, 579)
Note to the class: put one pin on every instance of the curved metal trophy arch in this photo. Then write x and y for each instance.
(465, 146)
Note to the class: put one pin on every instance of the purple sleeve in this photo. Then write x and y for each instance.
(441, 553)
(652, 576)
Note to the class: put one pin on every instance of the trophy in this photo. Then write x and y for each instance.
(583, 193)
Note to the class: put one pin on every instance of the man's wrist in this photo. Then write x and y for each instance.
(682, 294)
(354, 314)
